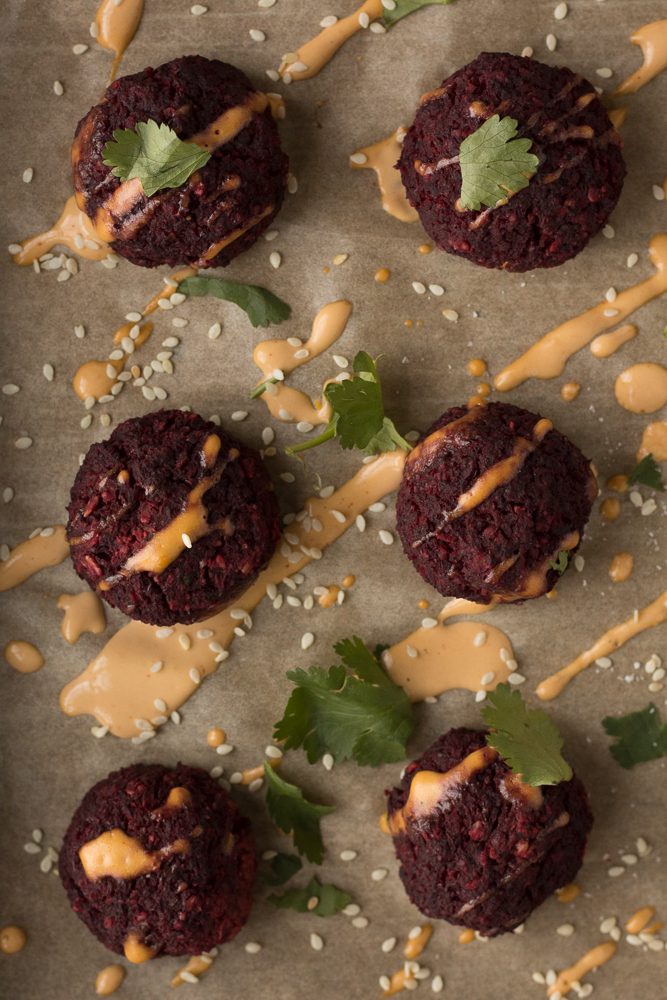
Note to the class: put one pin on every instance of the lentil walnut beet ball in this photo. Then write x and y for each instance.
(489, 849)
(570, 197)
(490, 498)
(159, 861)
(223, 207)
(170, 519)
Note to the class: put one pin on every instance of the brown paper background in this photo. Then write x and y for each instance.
(49, 761)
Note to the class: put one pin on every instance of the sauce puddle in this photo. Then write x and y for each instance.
(652, 40)
(73, 230)
(381, 157)
(312, 56)
(650, 616)
(592, 960)
(23, 656)
(35, 554)
(642, 388)
(84, 612)
(654, 442)
(193, 969)
(548, 357)
(168, 664)
(116, 23)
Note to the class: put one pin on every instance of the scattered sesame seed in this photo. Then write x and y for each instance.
(358, 158)
(268, 435)
(451, 315)
(351, 910)
(658, 192)
(360, 922)
(339, 259)
(253, 947)
(9, 389)
(615, 871)
(527, 52)
(31, 848)
(28, 175)
(560, 11)
(292, 183)
(198, 9)
(328, 21)
(341, 361)
(364, 19)
(551, 42)
(632, 260)
(327, 762)
(79, 49)
(565, 930)
(437, 984)
(307, 639)
(609, 232)
(419, 287)
(316, 942)
(58, 88)
(360, 522)
(605, 72)
(348, 855)
(386, 537)
(275, 259)
(429, 622)
(516, 678)
(187, 541)
(257, 35)
(23, 443)
(379, 874)
(7, 494)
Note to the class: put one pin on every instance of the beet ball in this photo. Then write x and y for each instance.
(568, 200)
(170, 519)
(159, 861)
(224, 206)
(490, 500)
(480, 848)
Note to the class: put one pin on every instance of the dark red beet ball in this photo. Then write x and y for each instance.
(242, 185)
(503, 546)
(129, 493)
(489, 853)
(568, 200)
(198, 895)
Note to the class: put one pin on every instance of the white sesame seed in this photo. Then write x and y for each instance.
(604, 71)
(379, 874)
(632, 260)
(327, 762)
(292, 183)
(38, 836)
(451, 315)
(316, 942)
(184, 641)
(79, 49)
(610, 312)
(175, 718)
(551, 42)
(268, 435)
(610, 294)
(257, 35)
(273, 752)
(27, 175)
(615, 871)
(198, 9)
(341, 361)
(560, 11)
(358, 158)
(648, 507)
(609, 232)
(437, 984)
(275, 259)
(253, 947)
(604, 662)
(339, 259)
(348, 855)
(10, 389)
(527, 51)
(328, 21)
(23, 443)
(351, 910)
(565, 930)
(419, 287)
(658, 192)
(629, 859)
(214, 331)
(487, 678)
(99, 731)
(480, 696)
(58, 88)
(516, 678)
(194, 675)
(389, 4)
(429, 622)
(360, 922)
(31, 848)
(388, 945)
(386, 537)
(224, 749)
(364, 19)
(579, 563)
(360, 522)
(436, 289)
(479, 640)
(307, 640)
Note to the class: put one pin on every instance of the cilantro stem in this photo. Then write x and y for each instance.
(261, 388)
(326, 435)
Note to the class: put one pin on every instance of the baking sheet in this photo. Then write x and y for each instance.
(372, 85)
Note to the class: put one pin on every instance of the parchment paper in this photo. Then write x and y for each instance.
(49, 761)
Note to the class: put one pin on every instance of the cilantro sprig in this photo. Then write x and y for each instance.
(329, 899)
(560, 563)
(405, 7)
(526, 739)
(640, 736)
(353, 710)
(261, 306)
(494, 164)
(280, 868)
(154, 154)
(358, 419)
(648, 473)
(293, 813)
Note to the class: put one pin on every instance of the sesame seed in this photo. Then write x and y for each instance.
(480, 696)
(187, 541)
(23, 443)
(516, 678)
(348, 855)
(565, 930)
(615, 871)
(268, 435)
(328, 762)
(7, 494)
(604, 72)
(198, 9)
(184, 641)
(10, 389)
(610, 294)
(487, 678)
(253, 947)
(339, 259)
(379, 874)
(364, 19)
(58, 88)
(99, 731)
(224, 749)
(429, 622)
(560, 11)
(360, 922)
(551, 42)
(389, 4)
(257, 35)
(328, 21)
(451, 315)
(79, 49)
(274, 752)
(194, 675)
(341, 361)
(386, 537)
(632, 260)
(527, 52)
(307, 639)
(437, 984)
(31, 848)
(360, 522)
(358, 158)
(419, 287)
(27, 175)
(316, 942)
(175, 718)
(609, 232)
(479, 640)
(604, 662)
(292, 183)
(388, 945)
(436, 289)
(351, 910)
(265, 3)
(214, 331)
(275, 259)
(658, 192)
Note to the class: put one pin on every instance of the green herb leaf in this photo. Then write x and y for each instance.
(155, 155)
(292, 813)
(494, 165)
(648, 473)
(353, 710)
(261, 305)
(330, 900)
(526, 739)
(405, 7)
(280, 868)
(640, 736)
(358, 419)
(561, 562)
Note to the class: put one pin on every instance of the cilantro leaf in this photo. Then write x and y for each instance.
(640, 736)
(648, 473)
(526, 739)
(494, 165)
(358, 419)
(261, 305)
(330, 900)
(154, 154)
(280, 868)
(292, 813)
(561, 562)
(353, 710)
(405, 7)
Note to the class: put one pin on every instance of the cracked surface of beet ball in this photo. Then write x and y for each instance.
(170, 519)
(159, 861)
(224, 206)
(490, 498)
(491, 849)
(568, 200)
